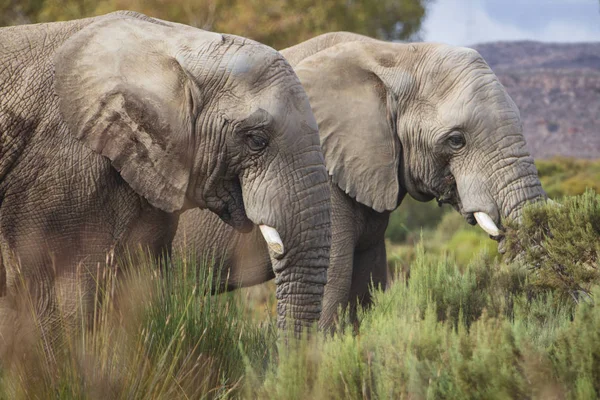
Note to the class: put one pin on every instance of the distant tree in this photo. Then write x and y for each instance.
(16, 12)
(274, 22)
(283, 23)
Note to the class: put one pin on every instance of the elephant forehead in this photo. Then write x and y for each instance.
(478, 106)
(480, 88)
(256, 64)
(448, 68)
(285, 102)
(460, 83)
(244, 66)
(453, 54)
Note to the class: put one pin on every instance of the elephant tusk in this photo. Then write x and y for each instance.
(487, 223)
(273, 239)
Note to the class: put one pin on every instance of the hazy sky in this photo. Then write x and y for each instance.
(465, 22)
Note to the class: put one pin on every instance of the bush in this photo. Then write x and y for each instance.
(568, 177)
(576, 353)
(444, 333)
(560, 244)
(407, 220)
(489, 329)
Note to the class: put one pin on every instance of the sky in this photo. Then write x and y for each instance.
(467, 22)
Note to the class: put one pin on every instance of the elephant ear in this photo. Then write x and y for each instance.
(124, 96)
(356, 114)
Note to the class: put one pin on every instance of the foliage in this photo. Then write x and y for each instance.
(159, 333)
(482, 329)
(499, 344)
(276, 23)
(410, 217)
(568, 177)
(560, 243)
(452, 236)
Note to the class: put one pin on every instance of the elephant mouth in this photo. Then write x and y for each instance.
(236, 217)
(229, 206)
(450, 196)
(486, 223)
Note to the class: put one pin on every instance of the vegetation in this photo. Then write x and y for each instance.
(276, 23)
(567, 176)
(450, 334)
(156, 333)
(560, 244)
(483, 329)
(450, 326)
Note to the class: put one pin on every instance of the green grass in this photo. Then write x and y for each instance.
(457, 323)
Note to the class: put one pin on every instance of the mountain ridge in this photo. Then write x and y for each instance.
(557, 89)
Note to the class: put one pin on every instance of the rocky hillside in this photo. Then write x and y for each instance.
(557, 89)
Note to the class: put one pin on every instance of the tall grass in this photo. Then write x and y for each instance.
(156, 332)
(446, 328)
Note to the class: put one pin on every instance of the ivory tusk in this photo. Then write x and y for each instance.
(273, 239)
(486, 223)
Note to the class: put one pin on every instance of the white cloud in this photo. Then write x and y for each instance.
(465, 22)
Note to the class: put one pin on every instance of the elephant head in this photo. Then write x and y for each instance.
(428, 120)
(197, 119)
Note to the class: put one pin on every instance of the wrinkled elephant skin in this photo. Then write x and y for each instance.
(112, 126)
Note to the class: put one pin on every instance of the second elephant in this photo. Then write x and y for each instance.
(428, 120)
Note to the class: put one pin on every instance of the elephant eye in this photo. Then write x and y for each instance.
(256, 142)
(456, 140)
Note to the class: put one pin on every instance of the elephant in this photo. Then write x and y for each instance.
(112, 126)
(428, 120)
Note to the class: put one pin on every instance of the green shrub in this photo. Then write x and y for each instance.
(559, 243)
(488, 329)
(428, 336)
(453, 236)
(399, 257)
(576, 353)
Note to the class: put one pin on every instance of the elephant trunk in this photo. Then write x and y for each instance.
(301, 274)
(518, 193)
(518, 187)
(292, 210)
(501, 195)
